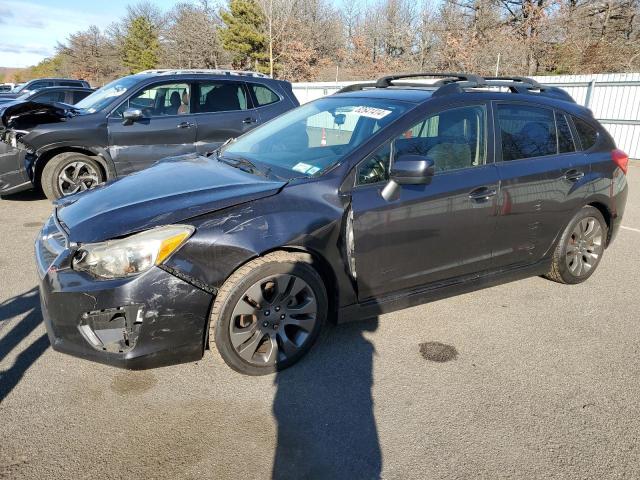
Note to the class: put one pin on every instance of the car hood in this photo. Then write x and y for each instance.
(171, 191)
(23, 115)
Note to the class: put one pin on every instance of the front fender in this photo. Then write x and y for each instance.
(292, 219)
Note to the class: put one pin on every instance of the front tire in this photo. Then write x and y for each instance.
(269, 313)
(580, 248)
(69, 173)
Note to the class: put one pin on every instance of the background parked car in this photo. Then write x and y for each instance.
(6, 87)
(68, 95)
(40, 83)
(131, 123)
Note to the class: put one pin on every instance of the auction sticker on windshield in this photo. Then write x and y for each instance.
(372, 112)
(305, 168)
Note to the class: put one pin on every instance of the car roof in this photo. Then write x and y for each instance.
(463, 86)
(64, 87)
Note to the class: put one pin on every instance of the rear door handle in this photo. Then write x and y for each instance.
(186, 125)
(482, 193)
(573, 175)
(249, 120)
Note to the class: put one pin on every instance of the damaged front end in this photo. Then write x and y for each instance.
(17, 157)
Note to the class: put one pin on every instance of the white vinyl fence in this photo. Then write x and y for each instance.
(614, 100)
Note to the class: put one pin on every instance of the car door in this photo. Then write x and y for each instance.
(167, 127)
(540, 174)
(432, 232)
(224, 111)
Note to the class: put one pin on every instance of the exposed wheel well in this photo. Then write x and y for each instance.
(49, 154)
(326, 272)
(606, 214)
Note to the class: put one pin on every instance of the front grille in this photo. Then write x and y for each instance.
(51, 242)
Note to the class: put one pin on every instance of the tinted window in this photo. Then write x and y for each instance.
(159, 100)
(565, 139)
(526, 131)
(38, 85)
(221, 97)
(49, 97)
(264, 95)
(587, 134)
(71, 83)
(453, 139)
(79, 95)
(375, 168)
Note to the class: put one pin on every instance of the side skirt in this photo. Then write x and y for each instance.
(430, 293)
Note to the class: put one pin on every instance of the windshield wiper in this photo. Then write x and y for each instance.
(241, 163)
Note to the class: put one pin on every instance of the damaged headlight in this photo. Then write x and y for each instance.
(132, 255)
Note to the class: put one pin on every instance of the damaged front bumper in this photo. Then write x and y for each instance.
(13, 172)
(146, 321)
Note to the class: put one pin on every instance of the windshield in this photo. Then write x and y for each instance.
(105, 95)
(314, 137)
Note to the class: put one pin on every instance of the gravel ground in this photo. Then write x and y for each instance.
(525, 380)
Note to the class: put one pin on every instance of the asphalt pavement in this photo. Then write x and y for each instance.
(529, 379)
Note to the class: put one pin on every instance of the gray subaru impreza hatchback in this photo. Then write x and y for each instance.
(383, 196)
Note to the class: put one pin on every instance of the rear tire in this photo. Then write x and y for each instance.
(69, 173)
(580, 248)
(269, 313)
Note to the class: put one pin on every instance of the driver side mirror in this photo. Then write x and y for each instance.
(408, 170)
(412, 170)
(131, 115)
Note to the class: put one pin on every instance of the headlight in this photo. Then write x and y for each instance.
(131, 255)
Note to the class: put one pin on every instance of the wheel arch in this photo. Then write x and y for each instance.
(606, 213)
(101, 156)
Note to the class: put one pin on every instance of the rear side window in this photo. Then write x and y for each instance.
(49, 97)
(264, 95)
(70, 83)
(526, 131)
(565, 139)
(38, 85)
(79, 95)
(221, 97)
(587, 134)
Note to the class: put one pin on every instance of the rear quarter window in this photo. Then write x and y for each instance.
(264, 95)
(586, 133)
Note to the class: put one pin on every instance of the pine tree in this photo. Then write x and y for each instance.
(141, 45)
(243, 34)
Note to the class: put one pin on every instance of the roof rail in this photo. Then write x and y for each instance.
(179, 71)
(450, 83)
(526, 80)
(385, 82)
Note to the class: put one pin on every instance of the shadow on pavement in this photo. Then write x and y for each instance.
(26, 196)
(324, 410)
(27, 303)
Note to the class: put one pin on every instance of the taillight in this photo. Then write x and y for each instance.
(621, 159)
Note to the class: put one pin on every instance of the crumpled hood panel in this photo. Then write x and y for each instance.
(171, 191)
(25, 115)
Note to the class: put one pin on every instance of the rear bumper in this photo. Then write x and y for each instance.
(13, 174)
(147, 321)
(620, 190)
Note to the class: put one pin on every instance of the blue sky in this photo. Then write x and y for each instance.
(30, 29)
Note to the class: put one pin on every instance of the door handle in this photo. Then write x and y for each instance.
(573, 175)
(249, 121)
(482, 193)
(186, 125)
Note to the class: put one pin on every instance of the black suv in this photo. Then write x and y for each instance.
(38, 83)
(130, 123)
(381, 197)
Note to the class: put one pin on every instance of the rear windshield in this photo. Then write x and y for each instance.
(310, 139)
